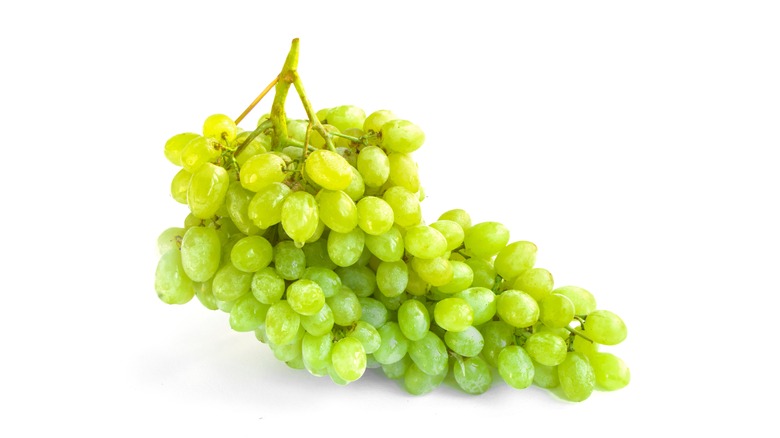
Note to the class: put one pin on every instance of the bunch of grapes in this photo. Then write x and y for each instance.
(309, 233)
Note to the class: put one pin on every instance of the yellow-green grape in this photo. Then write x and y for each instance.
(416, 285)
(296, 129)
(305, 297)
(605, 327)
(467, 343)
(169, 239)
(207, 190)
(345, 306)
(462, 277)
(179, 186)
(517, 308)
(546, 377)
(515, 259)
(252, 253)
(546, 348)
(281, 323)
(237, 201)
(346, 248)
(329, 281)
(405, 205)
(289, 260)
(425, 242)
(356, 187)
(484, 273)
(584, 301)
(317, 254)
(247, 314)
(171, 283)
(317, 140)
(221, 127)
(392, 278)
(429, 353)
(414, 320)
(375, 215)
(319, 323)
(316, 352)
(497, 335)
(584, 346)
(198, 152)
(536, 282)
(205, 295)
(417, 382)
(262, 170)
(515, 367)
(394, 344)
(472, 375)
(259, 145)
(291, 350)
(267, 285)
(176, 144)
(328, 169)
(397, 369)
(436, 272)
(358, 278)
(373, 311)
(374, 122)
(346, 117)
(459, 216)
(230, 284)
(402, 136)
(452, 231)
(367, 335)
(387, 247)
(576, 376)
(453, 314)
(610, 371)
(482, 301)
(265, 208)
(200, 253)
(556, 311)
(337, 210)
(486, 239)
(373, 165)
(349, 358)
(403, 171)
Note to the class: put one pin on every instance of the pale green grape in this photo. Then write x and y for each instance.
(417, 382)
(388, 246)
(373, 311)
(375, 216)
(345, 306)
(305, 297)
(453, 314)
(462, 277)
(316, 352)
(320, 322)
(415, 284)
(401, 136)
(237, 201)
(436, 272)
(289, 260)
(546, 377)
(459, 216)
(220, 126)
(207, 190)
(605, 327)
(486, 239)
(176, 144)
(425, 242)
(356, 187)
(467, 343)
(536, 282)
(546, 348)
(317, 232)
(317, 254)
(373, 123)
(403, 171)
(584, 301)
(359, 279)
(328, 169)
(394, 344)
(300, 216)
(267, 286)
(200, 253)
(473, 375)
(484, 273)
(281, 323)
(259, 145)
(392, 278)
(451, 231)
(291, 350)
(344, 249)
(498, 335)
(180, 184)
(373, 165)
(337, 210)
(515, 367)
(247, 314)
(169, 239)
(171, 282)
(262, 170)
(610, 371)
(414, 320)
(205, 295)
(514, 259)
(230, 284)
(556, 311)
(296, 363)
(584, 346)
(405, 205)
(296, 129)
(260, 334)
(252, 253)
(367, 335)
(349, 358)
(198, 152)
(396, 370)
(576, 376)
(429, 354)
(517, 308)
(329, 281)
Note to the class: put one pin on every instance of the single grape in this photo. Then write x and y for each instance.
(237, 200)
(346, 117)
(180, 184)
(367, 335)
(207, 190)
(373, 165)
(300, 216)
(373, 123)
(556, 311)
(289, 260)
(473, 375)
(576, 376)
(459, 216)
(392, 278)
(610, 371)
(536, 282)
(414, 320)
(200, 253)
(346, 248)
(252, 253)
(305, 297)
(425, 242)
(281, 323)
(205, 294)
(467, 343)
(374, 215)
(405, 205)
(328, 169)
(171, 282)
(356, 188)
(345, 306)
(359, 279)
(319, 323)
(396, 370)
(546, 348)
(394, 344)
(515, 367)
(349, 358)
(199, 151)
(517, 308)
(484, 273)
(462, 277)
(262, 170)
(436, 272)
(169, 239)
(388, 246)
(429, 354)
(605, 327)
(497, 335)
(514, 259)
(176, 144)
(247, 314)
(545, 376)
(373, 311)
(453, 314)
(267, 286)
(329, 281)
(221, 127)
(230, 283)
(316, 352)
(451, 231)
(337, 210)
(317, 254)
(401, 136)
(417, 382)
(403, 171)
(584, 301)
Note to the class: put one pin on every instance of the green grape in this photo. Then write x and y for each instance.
(459, 216)
(515, 259)
(200, 253)
(536, 282)
(425, 242)
(584, 301)
(392, 278)
(451, 231)
(225, 306)
(171, 282)
(367, 335)
(359, 279)
(169, 239)
(605, 327)
(405, 205)
(337, 210)
(373, 123)
(259, 145)
(290, 350)
(262, 170)
(417, 382)
(375, 216)
(317, 254)
(515, 367)
(584, 346)
(296, 363)
(345, 306)
(220, 126)
(486, 239)
(344, 249)
(260, 334)
(317, 232)
(429, 354)
(388, 246)
(252, 253)
(546, 377)
(316, 352)
(436, 272)
(394, 344)
(416, 285)
(289, 260)
(396, 370)
(556, 311)
(237, 201)
(484, 273)
(373, 311)
(576, 376)
(329, 281)
(318, 141)
(205, 295)
(230, 284)
(462, 277)
(467, 343)
(546, 348)
(296, 129)
(207, 190)
(227, 226)
(265, 208)
(453, 314)
(403, 171)
(374, 166)
(517, 308)
(305, 297)
(300, 216)
(365, 257)
(281, 323)
(267, 286)
(180, 184)
(328, 169)
(176, 144)
(349, 358)
(610, 371)
(414, 320)
(402, 136)
(197, 152)
(473, 375)
(319, 323)
(247, 314)
(498, 335)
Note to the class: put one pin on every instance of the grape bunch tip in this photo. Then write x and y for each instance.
(309, 233)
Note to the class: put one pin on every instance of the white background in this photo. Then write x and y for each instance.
(634, 142)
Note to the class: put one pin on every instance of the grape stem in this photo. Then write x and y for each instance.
(575, 332)
(259, 130)
(257, 100)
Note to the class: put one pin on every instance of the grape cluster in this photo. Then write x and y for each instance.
(323, 254)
